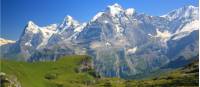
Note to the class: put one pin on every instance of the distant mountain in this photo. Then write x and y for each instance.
(5, 41)
(121, 41)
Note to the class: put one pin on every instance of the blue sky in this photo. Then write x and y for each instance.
(16, 13)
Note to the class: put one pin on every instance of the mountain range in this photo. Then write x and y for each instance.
(122, 42)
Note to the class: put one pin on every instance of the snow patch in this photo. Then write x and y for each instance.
(80, 28)
(150, 35)
(189, 27)
(108, 44)
(163, 35)
(28, 44)
(132, 50)
(186, 30)
(105, 21)
(118, 28)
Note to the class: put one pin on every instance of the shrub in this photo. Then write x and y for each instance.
(50, 76)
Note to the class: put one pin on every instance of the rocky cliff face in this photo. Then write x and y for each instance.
(8, 80)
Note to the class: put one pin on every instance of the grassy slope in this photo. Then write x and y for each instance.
(184, 77)
(62, 73)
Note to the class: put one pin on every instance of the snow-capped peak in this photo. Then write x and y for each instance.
(191, 7)
(69, 21)
(68, 17)
(116, 4)
(31, 27)
(184, 12)
(31, 24)
(114, 9)
(97, 16)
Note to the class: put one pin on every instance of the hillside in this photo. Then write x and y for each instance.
(76, 71)
(66, 72)
(186, 76)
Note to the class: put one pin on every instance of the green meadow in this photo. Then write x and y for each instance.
(67, 72)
